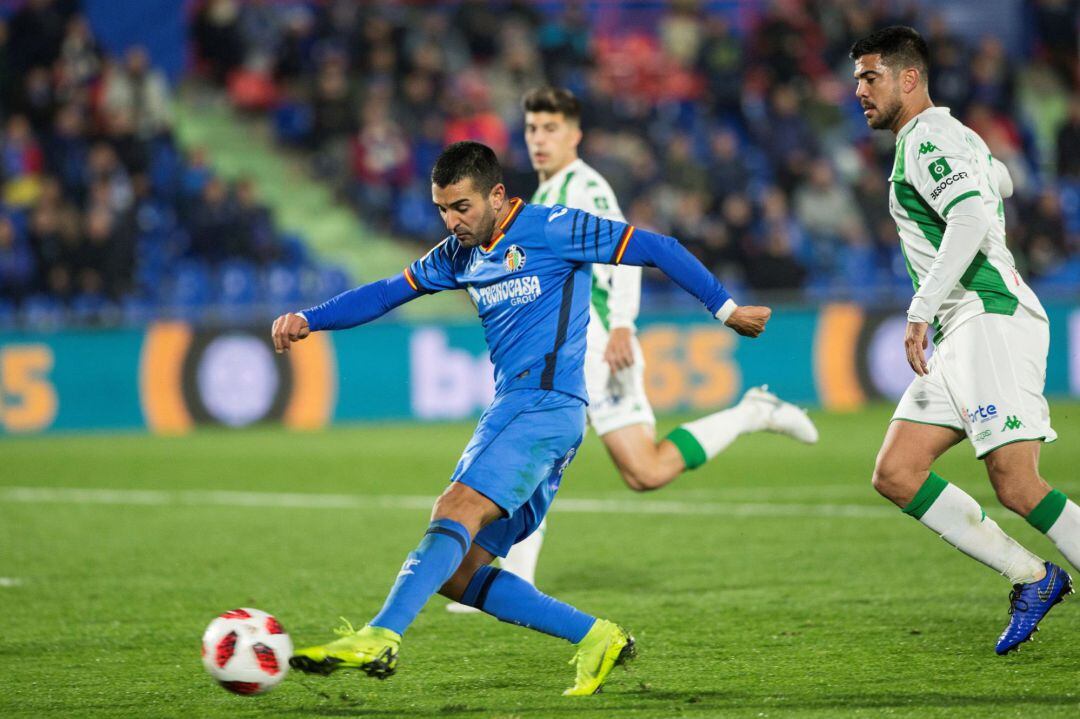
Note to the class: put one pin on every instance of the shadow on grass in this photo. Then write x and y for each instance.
(691, 703)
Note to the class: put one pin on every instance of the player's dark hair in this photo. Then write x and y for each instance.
(552, 99)
(899, 46)
(468, 159)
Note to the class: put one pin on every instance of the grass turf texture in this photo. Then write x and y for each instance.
(753, 607)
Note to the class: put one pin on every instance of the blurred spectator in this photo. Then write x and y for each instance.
(680, 32)
(787, 138)
(381, 160)
(215, 232)
(728, 172)
(1068, 143)
(256, 225)
(17, 266)
(1042, 234)
(682, 168)
(992, 77)
(471, 117)
(720, 61)
(139, 92)
(80, 58)
(826, 208)
(37, 101)
(37, 31)
(217, 33)
(68, 150)
(7, 74)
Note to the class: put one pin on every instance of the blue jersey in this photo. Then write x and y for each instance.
(531, 285)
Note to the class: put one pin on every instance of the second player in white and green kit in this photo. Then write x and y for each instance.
(987, 378)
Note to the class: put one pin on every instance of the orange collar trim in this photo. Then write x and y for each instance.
(516, 204)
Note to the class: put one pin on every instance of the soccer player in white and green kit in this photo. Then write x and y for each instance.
(985, 379)
(619, 411)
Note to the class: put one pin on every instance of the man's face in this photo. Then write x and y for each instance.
(467, 212)
(878, 90)
(552, 141)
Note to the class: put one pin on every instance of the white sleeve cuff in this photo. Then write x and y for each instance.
(919, 311)
(725, 310)
(302, 316)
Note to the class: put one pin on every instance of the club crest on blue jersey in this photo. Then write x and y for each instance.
(513, 258)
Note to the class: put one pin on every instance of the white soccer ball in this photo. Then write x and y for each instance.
(247, 651)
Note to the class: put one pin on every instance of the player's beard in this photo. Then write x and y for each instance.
(886, 114)
(485, 228)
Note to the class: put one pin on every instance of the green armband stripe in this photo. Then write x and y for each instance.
(969, 193)
(691, 450)
(1047, 511)
(926, 496)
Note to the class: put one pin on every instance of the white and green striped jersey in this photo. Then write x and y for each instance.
(616, 290)
(939, 162)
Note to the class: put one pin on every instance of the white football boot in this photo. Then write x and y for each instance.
(781, 417)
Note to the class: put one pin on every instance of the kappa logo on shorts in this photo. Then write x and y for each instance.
(1012, 422)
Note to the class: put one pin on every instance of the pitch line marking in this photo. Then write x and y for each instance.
(294, 500)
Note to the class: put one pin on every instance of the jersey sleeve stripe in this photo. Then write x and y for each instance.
(411, 280)
(623, 242)
(960, 198)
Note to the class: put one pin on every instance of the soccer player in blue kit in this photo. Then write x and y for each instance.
(527, 268)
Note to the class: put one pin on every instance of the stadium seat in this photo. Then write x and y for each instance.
(7, 314)
(42, 312)
(236, 284)
(188, 289)
(281, 286)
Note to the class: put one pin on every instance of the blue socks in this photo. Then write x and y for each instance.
(504, 595)
(425, 570)
(509, 598)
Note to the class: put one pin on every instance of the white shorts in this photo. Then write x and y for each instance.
(615, 400)
(986, 379)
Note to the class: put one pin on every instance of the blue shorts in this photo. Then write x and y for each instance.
(522, 444)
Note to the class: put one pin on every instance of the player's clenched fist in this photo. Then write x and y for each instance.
(749, 321)
(288, 329)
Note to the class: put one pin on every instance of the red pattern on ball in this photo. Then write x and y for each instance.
(241, 687)
(225, 649)
(236, 614)
(273, 626)
(267, 659)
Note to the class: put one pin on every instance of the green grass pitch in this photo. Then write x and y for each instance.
(771, 583)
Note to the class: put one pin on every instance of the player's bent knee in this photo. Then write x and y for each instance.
(891, 478)
(644, 480)
(466, 506)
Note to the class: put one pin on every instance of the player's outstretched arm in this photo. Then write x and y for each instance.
(670, 257)
(349, 309)
(581, 237)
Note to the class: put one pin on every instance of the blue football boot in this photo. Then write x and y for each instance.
(1029, 603)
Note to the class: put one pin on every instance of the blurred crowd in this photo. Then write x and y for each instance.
(735, 130)
(102, 218)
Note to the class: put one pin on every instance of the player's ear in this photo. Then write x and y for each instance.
(497, 196)
(576, 135)
(910, 79)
